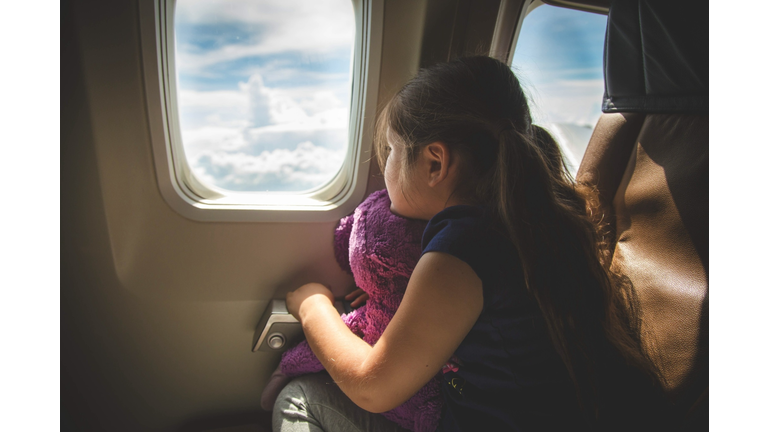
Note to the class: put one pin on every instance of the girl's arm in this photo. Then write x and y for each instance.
(441, 304)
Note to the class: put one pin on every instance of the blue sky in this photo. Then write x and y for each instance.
(264, 86)
(563, 43)
(559, 58)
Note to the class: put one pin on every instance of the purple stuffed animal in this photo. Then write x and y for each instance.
(380, 249)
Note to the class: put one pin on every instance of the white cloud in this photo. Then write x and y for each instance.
(208, 138)
(253, 103)
(259, 138)
(567, 101)
(319, 102)
(305, 167)
(260, 102)
(206, 109)
(305, 107)
(213, 99)
(290, 134)
(569, 109)
(573, 140)
(311, 27)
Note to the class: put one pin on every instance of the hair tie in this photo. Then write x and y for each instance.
(500, 130)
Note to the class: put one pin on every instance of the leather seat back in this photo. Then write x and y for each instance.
(649, 159)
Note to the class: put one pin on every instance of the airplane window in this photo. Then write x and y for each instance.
(263, 91)
(559, 60)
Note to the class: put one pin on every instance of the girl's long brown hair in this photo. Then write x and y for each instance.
(477, 107)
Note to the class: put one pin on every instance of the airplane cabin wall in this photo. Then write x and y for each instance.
(159, 311)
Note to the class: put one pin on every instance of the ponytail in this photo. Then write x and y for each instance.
(591, 313)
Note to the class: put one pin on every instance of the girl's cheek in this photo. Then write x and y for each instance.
(389, 175)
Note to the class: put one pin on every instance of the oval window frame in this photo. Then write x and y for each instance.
(197, 201)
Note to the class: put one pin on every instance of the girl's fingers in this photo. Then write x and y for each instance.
(360, 300)
(356, 297)
(354, 294)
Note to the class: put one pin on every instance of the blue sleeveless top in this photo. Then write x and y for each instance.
(505, 375)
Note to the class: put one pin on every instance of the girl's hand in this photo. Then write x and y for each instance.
(443, 301)
(306, 295)
(356, 298)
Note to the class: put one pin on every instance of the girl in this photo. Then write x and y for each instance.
(510, 300)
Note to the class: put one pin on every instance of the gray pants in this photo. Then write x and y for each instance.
(314, 403)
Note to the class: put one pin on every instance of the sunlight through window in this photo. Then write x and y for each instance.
(264, 91)
(559, 60)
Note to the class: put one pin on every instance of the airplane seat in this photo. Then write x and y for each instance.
(648, 158)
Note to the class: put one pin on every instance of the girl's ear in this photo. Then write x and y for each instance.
(437, 158)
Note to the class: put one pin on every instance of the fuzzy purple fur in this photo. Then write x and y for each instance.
(380, 249)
